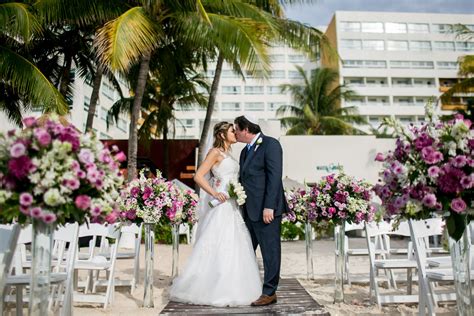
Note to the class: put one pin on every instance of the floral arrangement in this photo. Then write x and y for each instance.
(430, 171)
(53, 173)
(147, 199)
(336, 199)
(235, 191)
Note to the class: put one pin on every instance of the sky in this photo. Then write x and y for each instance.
(320, 12)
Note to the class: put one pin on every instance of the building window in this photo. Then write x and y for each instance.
(444, 46)
(420, 45)
(400, 64)
(403, 101)
(253, 89)
(273, 106)
(277, 74)
(379, 82)
(447, 65)
(421, 100)
(401, 82)
(465, 46)
(377, 101)
(356, 82)
(103, 113)
(372, 27)
(373, 45)
(441, 28)
(353, 63)
(351, 44)
(188, 123)
(294, 74)
(422, 64)
(375, 64)
(355, 101)
(122, 125)
(395, 28)
(296, 58)
(108, 90)
(87, 102)
(210, 73)
(231, 90)
(254, 106)
(418, 28)
(273, 90)
(397, 45)
(277, 58)
(350, 26)
(104, 136)
(228, 74)
(230, 106)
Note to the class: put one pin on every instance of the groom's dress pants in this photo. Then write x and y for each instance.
(267, 236)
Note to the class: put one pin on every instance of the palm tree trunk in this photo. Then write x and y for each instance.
(94, 97)
(65, 76)
(210, 107)
(137, 103)
(166, 150)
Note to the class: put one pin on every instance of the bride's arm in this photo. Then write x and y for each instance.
(204, 168)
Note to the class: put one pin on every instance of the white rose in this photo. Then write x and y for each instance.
(52, 197)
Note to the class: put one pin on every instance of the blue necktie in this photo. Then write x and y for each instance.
(248, 147)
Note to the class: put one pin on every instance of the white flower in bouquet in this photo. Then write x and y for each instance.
(235, 191)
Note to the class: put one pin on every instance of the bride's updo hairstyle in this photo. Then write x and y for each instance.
(220, 132)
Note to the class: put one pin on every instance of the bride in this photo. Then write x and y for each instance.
(222, 269)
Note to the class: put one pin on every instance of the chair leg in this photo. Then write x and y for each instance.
(410, 281)
(19, 300)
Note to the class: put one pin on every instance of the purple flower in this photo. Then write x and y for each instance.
(433, 171)
(42, 136)
(449, 179)
(95, 210)
(120, 157)
(73, 184)
(429, 200)
(379, 157)
(69, 134)
(17, 150)
(459, 161)
(81, 174)
(423, 141)
(112, 217)
(48, 218)
(467, 182)
(134, 191)
(25, 210)
(147, 192)
(458, 205)
(82, 202)
(26, 199)
(131, 215)
(36, 212)
(431, 156)
(86, 156)
(29, 121)
(20, 167)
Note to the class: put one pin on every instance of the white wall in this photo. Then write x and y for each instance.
(305, 156)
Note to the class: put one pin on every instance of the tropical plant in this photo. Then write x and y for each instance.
(23, 84)
(316, 109)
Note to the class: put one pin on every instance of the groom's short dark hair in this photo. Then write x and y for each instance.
(243, 123)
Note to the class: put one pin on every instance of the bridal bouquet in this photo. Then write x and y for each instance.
(431, 170)
(55, 174)
(235, 191)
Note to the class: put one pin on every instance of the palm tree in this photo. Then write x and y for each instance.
(317, 108)
(136, 34)
(23, 82)
(466, 67)
(292, 33)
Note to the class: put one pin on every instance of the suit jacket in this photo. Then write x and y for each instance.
(261, 170)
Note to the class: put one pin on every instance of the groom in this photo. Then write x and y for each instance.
(260, 175)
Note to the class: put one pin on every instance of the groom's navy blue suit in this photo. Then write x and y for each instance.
(261, 176)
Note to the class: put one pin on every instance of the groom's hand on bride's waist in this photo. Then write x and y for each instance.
(267, 215)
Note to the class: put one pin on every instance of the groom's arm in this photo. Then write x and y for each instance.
(273, 173)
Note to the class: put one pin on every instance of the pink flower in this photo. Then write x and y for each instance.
(112, 217)
(433, 171)
(459, 161)
(115, 148)
(83, 202)
(81, 174)
(29, 121)
(73, 184)
(19, 167)
(26, 199)
(36, 212)
(467, 182)
(43, 137)
(379, 157)
(458, 205)
(75, 166)
(48, 218)
(120, 157)
(96, 210)
(25, 210)
(17, 150)
(86, 156)
(104, 156)
(429, 200)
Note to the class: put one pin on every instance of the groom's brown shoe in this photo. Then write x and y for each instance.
(264, 300)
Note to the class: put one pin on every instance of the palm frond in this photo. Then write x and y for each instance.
(16, 21)
(25, 78)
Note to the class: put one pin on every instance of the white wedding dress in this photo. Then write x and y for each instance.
(222, 269)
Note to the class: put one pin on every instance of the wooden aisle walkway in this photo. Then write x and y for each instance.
(292, 299)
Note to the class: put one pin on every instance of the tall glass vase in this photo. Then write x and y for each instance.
(461, 257)
(339, 234)
(149, 257)
(42, 245)
(308, 237)
(175, 240)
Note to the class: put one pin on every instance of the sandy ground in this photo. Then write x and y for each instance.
(293, 266)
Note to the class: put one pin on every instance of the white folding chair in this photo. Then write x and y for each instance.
(379, 229)
(128, 248)
(8, 239)
(184, 229)
(421, 231)
(98, 263)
